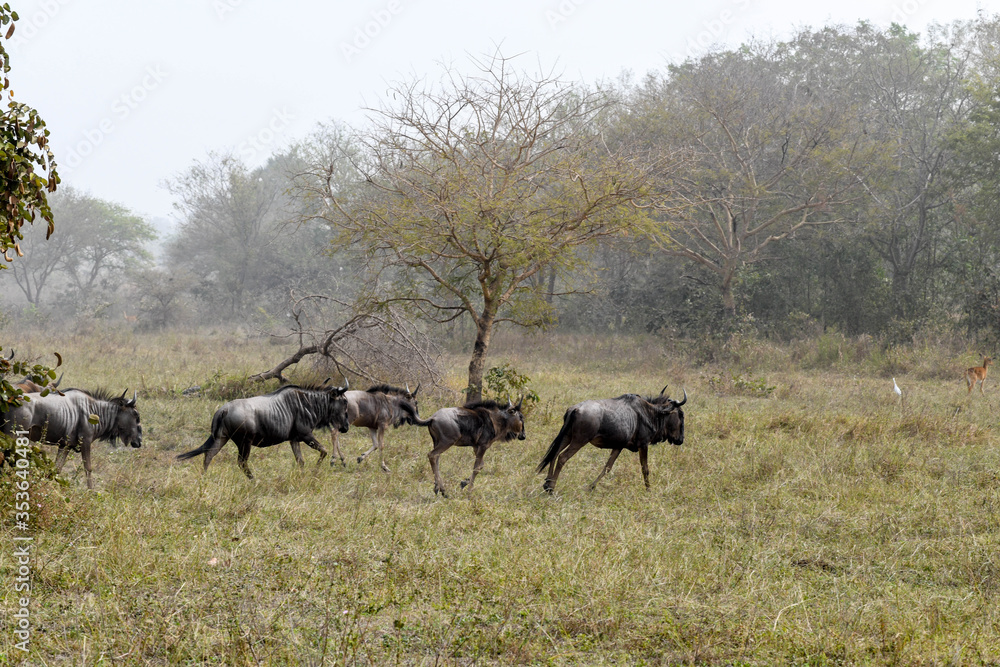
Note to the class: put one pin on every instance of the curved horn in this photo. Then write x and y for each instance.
(664, 389)
(135, 397)
(416, 390)
(123, 393)
(519, 402)
(11, 357)
(407, 387)
(685, 399)
(55, 385)
(347, 383)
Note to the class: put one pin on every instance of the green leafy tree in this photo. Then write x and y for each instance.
(473, 188)
(27, 166)
(27, 176)
(97, 243)
(770, 152)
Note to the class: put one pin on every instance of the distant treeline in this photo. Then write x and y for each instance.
(845, 178)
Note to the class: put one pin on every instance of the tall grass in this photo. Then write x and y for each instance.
(824, 522)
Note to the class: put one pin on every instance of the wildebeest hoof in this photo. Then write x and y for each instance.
(440, 490)
(464, 483)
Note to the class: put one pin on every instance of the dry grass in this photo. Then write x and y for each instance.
(826, 523)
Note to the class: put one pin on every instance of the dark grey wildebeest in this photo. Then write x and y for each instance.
(289, 413)
(377, 408)
(65, 420)
(628, 422)
(478, 425)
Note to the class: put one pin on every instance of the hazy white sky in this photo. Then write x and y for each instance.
(135, 91)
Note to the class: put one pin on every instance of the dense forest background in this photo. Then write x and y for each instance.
(843, 180)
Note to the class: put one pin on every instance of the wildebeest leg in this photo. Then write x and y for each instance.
(217, 445)
(61, 458)
(607, 467)
(315, 444)
(643, 452)
(556, 466)
(335, 445)
(480, 451)
(380, 434)
(439, 448)
(374, 436)
(297, 451)
(244, 454)
(85, 453)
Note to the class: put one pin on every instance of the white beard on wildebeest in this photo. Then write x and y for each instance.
(628, 422)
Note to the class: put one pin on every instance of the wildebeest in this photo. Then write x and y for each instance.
(376, 408)
(64, 419)
(289, 413)
(478, 425)
(628, 422)
(29, 386)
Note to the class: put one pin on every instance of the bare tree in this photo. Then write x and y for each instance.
(472, 187)
(373, 344)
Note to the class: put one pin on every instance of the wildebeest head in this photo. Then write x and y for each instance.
(514, 420)
(670, 417)
(127, 427)
(403, 408)
(337, 409)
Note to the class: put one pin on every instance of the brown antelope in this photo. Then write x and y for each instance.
(131, 319)
(978, 374)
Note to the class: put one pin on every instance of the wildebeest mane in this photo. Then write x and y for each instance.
(99, 393)
(308, 386)
(488, 404)
(387, 389)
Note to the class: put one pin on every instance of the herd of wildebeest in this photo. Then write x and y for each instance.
(73, 419)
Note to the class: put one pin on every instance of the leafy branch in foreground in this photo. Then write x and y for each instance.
(25, 157)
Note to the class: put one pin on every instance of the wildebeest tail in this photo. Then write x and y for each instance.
(208, 443)
(195, 452)
(556, 445)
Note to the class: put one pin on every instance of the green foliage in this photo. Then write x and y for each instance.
(503, 382)
(24, 158)
(10, 396)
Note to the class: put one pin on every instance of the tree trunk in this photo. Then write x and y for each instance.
(477, 365)
(728, 300)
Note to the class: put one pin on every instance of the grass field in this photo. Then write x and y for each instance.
(810, 517)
